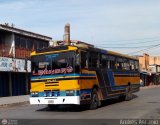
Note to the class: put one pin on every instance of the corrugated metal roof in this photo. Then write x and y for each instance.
(24, 32)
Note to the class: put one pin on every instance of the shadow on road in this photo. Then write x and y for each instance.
(115, 101)
(75, 108)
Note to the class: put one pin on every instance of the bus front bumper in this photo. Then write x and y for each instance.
(55, 100)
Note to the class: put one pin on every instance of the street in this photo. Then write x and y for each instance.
(145, 105)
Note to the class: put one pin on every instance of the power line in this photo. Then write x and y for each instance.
(154, 51)
(122, 45)
(128, 39)
(150, 47)
(129, 43)
(154, 46)
(127, 46)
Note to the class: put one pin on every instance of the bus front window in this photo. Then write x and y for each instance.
(77, 64)
(56, 63)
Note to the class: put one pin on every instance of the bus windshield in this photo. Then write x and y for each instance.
(55, 63)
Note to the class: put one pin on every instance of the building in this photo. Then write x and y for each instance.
(154, 60)
(149, 69)
(15, 65)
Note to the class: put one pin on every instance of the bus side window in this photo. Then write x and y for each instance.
(93, 60)
(126, 64)
(84, 60)
(89, 61)
(104, 61)
(136, 65)
(112, 62)
(132, 65)
(119, 63)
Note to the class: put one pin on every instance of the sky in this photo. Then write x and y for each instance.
(126, 26)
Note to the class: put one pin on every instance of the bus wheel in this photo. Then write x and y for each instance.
(94, 99)
(122, 97)
(52, 107)
(128, 93)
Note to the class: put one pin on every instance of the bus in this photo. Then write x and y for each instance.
(82, 74)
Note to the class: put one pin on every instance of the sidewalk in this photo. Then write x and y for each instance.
(14, 100)
(149, 87)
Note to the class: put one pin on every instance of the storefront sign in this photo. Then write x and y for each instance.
(14, 65)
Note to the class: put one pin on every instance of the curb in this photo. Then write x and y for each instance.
(14, 104)
(150, 87)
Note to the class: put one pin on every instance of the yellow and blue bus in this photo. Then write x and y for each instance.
(81, 75)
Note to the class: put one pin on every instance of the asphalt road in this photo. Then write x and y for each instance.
(145, 105)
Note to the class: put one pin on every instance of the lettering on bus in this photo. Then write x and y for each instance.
(54, 71)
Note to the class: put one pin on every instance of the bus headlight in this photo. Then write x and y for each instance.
(70, 93)
(49, 94)
(34, 94)
(44, 94)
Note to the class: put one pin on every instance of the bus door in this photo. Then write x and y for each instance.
(102, 74)
(102, 82)
(105, 74)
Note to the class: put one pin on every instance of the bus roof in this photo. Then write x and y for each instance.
(48, 50)
(102, 51)
(64, 48)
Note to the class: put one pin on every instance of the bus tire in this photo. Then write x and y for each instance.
(122, 97)
(95, 103)
(129, 95)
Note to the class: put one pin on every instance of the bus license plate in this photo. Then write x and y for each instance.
(50, 101)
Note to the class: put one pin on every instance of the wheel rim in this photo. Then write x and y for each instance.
(129, 94)
(95, 100)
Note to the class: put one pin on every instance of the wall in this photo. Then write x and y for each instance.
(144, 62)
(154, 60)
